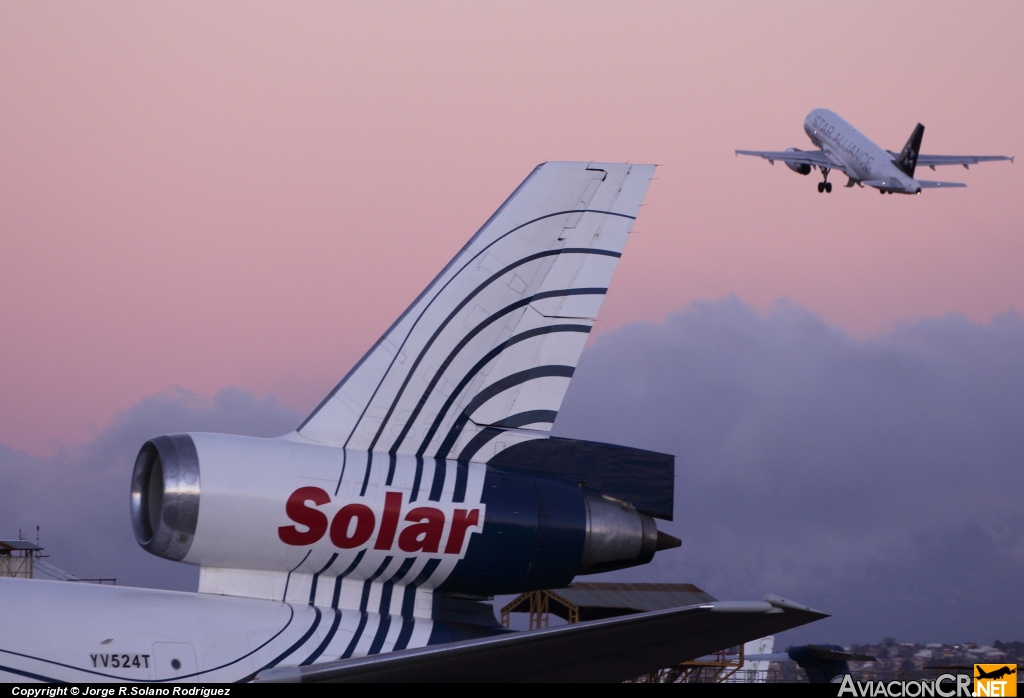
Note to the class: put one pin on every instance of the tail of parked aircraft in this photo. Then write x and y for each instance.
(489, 348)
(907, 160)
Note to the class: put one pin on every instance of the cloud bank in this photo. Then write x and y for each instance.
(876, 479)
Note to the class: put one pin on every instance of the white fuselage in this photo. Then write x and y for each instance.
(99, 633)
(854, 152)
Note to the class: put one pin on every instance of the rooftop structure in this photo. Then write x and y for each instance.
(594, 600)
(18, 557)
(587, 601)
(24, 559)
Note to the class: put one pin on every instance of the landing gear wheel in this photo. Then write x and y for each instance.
(824, 184)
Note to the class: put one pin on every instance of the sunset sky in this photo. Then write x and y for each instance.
(207, 202)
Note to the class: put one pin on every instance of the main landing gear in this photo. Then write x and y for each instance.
(825, 185)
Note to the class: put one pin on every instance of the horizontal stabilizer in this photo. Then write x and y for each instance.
(883, 184)
(615, 649)
(926, 184)
(933, 161)
(898, 187)
(641, 478)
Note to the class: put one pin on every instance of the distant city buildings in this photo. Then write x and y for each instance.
(917, 660)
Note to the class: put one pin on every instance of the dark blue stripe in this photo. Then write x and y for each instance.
(439, 291)
(327, 640)
(30, 675)
(348, 570)
(449, 441)
(437, 486)
(512, 380)
(461, 481)
(363, 601)
(416, 480)
(299, 643)
(400, 574)
(385, 606)
(391, 467)
(365, 598)
(366, 477)
(382, 634)
(409, 598)
(355, 636)
(245, 679)
(288, 578)
(344, 461)
(312, 586)
(409, 603)
(511, 422)
(495, 388)
(408, 625)
(521, 303)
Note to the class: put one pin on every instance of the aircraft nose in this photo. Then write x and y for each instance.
(809, 127)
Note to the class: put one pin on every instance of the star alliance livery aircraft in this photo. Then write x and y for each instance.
(363, 545)
(844, 148)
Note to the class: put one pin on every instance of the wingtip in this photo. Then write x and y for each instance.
(783, 603)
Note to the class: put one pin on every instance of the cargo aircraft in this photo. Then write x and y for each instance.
(364, 545)
(844, 148)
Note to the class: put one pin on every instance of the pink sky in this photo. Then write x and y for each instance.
(235, 194)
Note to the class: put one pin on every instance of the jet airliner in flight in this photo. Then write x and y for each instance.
(363, 545)
(844, 148)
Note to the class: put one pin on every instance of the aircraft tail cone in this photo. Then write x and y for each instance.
(666, 542)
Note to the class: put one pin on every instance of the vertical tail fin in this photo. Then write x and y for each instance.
(492, 343)
(907, 160)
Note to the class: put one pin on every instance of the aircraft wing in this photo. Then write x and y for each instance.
(814, 158)
(610, 650)
(934, 161)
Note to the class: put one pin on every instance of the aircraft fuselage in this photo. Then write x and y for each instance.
(857, 154)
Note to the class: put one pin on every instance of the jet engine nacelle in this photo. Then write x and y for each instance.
(803, 168)
(286, 504)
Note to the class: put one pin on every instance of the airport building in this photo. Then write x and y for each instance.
(588, 601)
(23, 559)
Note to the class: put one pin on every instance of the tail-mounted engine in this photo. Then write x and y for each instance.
(285, 505)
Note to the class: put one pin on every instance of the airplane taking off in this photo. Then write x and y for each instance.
(363, 545)
(844, 148)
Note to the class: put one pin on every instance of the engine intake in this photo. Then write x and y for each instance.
(165, 495)
(802, 168)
